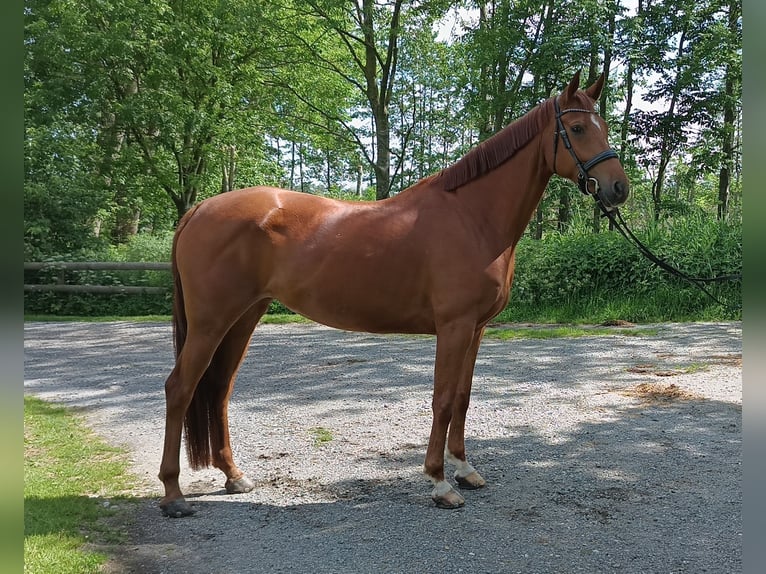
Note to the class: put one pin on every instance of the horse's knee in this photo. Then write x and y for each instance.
(442, 411)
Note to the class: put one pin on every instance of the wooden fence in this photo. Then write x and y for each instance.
(63, 266)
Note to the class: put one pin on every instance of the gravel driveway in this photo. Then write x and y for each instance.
(601, 454)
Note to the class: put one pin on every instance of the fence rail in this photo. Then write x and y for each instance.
(63, 266)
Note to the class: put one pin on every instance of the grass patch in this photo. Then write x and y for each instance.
(284, 318)
(74, 492)
(661, 305)
(694, 368)
(321, 435)
(507, 333)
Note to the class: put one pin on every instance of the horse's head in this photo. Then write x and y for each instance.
(580, 150)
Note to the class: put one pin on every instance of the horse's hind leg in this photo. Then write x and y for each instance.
(180, 386)
(226, 362)
(204, 371)
(465, 475)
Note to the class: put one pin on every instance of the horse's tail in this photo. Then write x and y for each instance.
(179, 308)
(199, 422)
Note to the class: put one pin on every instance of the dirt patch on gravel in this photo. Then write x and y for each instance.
(657, 393)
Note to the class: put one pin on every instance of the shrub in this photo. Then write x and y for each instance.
(562, 273)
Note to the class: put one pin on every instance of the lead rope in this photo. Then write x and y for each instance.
(615, 217)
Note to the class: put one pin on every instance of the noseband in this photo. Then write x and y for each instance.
(582, 179)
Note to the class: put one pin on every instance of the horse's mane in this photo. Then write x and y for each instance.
(497, 149)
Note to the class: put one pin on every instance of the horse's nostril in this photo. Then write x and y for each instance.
(621, 188)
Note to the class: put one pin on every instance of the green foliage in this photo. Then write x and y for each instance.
(321, 435)
(137, 109)
(563, 278)
(568, 331)
(141, 247)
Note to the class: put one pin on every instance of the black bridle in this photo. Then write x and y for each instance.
(582, 178)
(614, 215)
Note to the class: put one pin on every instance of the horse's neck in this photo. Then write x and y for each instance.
(505, 199)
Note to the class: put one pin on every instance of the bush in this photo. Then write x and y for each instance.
(562, 276)
(139, 248)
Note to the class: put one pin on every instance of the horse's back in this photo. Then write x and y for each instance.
(257, 205)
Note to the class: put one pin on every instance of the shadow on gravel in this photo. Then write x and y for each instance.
(580, 477)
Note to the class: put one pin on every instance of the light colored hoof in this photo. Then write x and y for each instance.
(444, 496)
(240, 485)
(470, 482)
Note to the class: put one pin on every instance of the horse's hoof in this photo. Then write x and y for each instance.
(240, 485)
(450, 500)
(177, 508)
(470, 482)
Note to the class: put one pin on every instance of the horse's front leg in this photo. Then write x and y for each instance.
(466, 475)
(454, 343)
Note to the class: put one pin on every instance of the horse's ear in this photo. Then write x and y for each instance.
(594, 92)
(573, 86)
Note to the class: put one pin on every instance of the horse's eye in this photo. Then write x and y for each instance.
(577, 129)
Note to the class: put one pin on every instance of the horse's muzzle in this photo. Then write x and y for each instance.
(614, 194)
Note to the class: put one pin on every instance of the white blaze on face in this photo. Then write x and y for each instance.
(595, 121)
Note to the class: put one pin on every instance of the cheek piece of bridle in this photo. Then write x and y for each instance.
(583, 180)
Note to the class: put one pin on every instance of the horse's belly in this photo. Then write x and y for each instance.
(359, 307)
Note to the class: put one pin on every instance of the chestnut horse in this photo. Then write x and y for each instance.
(437, 258)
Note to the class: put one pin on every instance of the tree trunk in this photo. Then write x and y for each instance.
(378, 90)
(629, 73)
(484, 87)
(604, 100)
(500, 95)
(538, 235)
(383, 160)
(729, 116)
(667, 147)
(565, 209)
(228, 168)
(301, 179)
